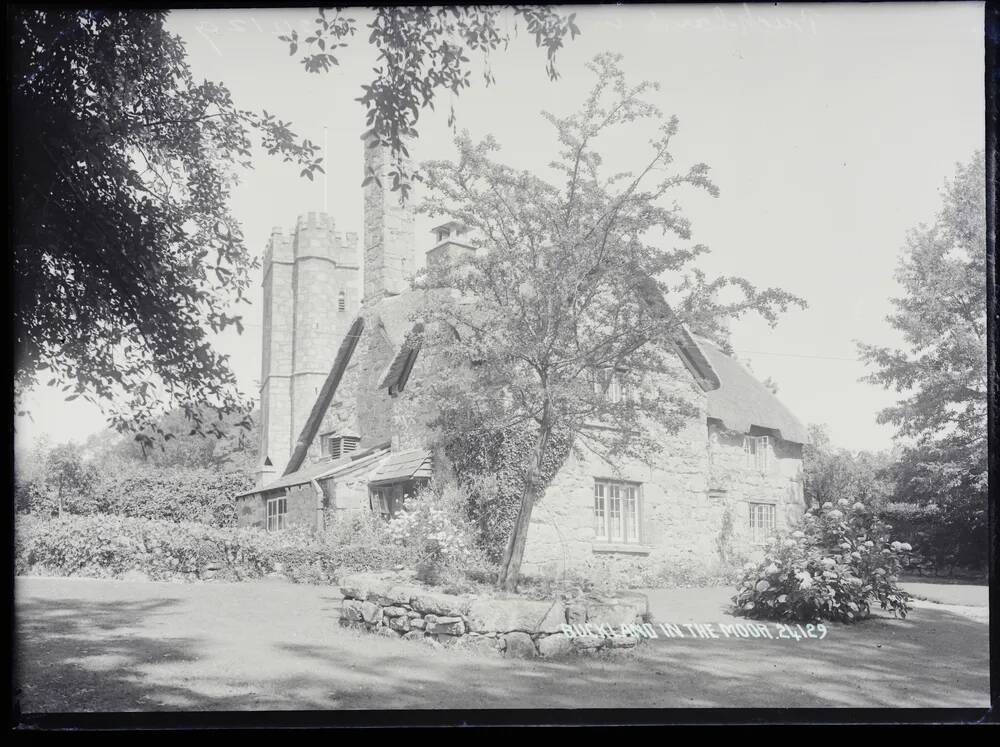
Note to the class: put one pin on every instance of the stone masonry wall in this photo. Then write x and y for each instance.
(518, 628)
(734, 485)
(678, 522)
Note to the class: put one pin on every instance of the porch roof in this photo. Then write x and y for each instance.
(323, 469)
(403, 465)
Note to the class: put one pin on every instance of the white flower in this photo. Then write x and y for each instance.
(869, 543)
(828, 505)
(842, 502)
(762, 586)
(895, 545)
(790, 543)
(859, 506)
(906, 546)
(771, 569)
(835, 514)
(828, 562)
(856, 555)
(798, 535)
(845, 545)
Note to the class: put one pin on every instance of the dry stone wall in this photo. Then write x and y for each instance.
(515, 627)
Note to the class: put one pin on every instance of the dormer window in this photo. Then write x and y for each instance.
(337, 445)
(757, 450)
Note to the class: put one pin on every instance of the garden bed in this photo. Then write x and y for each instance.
(396, 605)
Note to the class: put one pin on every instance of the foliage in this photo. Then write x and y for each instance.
(125, 253)
(107, 482)
(943, 538)
(570, 291)
(941, 369)
(830, 474)
(490, 467)
(228, 444)
(421, 52)
(834, 567)
(112, 546)
(54, 480)
(435, 527)
(173, 494)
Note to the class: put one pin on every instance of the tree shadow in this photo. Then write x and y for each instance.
(78, 654)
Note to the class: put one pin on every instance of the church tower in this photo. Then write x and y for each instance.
(311, 293)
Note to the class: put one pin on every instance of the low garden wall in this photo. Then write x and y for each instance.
(399, 607)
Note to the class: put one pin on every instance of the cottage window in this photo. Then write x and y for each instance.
(616, 511)
(277, 514)
(757, 450)
(612, 386)
(761, 522)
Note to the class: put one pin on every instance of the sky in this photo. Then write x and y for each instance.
(829, 129)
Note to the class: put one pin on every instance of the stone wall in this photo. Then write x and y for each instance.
(677, 521)
(398, 607)
(734, 485)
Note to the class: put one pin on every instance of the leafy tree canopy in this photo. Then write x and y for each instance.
(423, 51)
(940, 370)
(126, 256)
(831, 474)
(569, 326)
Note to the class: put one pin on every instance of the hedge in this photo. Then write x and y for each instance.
(115, 546)
(943, 538)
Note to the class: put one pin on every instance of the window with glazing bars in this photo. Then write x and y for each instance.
(757, 449)
(277, 514)
(616, 511)
(761, 522)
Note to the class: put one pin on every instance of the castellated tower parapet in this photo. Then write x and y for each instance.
(311, 291)
(390, 245)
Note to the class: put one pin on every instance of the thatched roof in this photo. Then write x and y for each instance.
(741, 401)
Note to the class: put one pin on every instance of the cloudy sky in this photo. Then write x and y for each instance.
(829, 130)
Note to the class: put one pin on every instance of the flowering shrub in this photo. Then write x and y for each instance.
(834, 566)
(433, 524)
(111, 546)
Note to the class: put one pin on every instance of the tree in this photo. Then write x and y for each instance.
(422, 51)
(831, 474)
(232, 446)
(567, 300)
(940, 370)
(125, 252)
(55, 479)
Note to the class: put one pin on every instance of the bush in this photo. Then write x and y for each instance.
(111, 546)
(837, 564)
(943, 536)
(173, 494)
(438, 534)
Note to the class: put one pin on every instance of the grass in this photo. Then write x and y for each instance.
(99, 645)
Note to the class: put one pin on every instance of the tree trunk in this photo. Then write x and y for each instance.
(510, 566)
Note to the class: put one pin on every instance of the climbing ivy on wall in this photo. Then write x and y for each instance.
(491, 468)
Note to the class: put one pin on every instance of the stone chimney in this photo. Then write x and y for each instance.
(389, 230)
(451, 244)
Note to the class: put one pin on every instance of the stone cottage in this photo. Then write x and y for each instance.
(343, 375)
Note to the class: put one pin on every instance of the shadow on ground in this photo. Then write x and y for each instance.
(235, 647)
